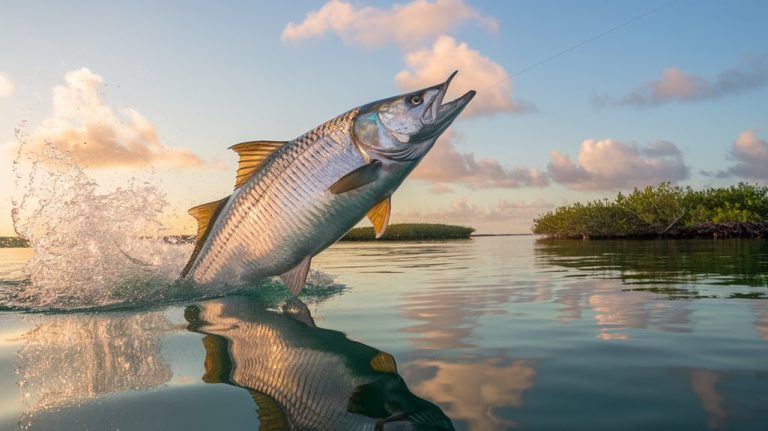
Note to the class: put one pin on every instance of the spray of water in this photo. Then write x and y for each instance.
(92, 247)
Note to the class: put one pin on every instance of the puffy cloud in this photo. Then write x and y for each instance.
(461, 211)
(445, 165)
(405, 24)
(476, 72)
(609, 165)
(6, 86)
(86, 127)
(675, 85)
(751, 156)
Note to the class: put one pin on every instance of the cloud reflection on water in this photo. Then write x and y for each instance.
(471, 391)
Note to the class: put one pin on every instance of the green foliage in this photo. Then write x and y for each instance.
(411, 232)
(656, 210)
(13, 242)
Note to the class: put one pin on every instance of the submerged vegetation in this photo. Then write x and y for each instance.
(664, 211)
(411, 232)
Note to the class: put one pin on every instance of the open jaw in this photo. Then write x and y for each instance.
(442, 114)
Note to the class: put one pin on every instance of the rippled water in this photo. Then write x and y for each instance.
(492, 333)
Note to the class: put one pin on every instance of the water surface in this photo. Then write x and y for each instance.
(484, 334)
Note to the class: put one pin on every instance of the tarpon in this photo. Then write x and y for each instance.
(294, 199)
(303, 377)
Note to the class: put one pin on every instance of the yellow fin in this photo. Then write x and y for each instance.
(379, 215)
(218, 364)
(252, 155)
(204, 214)
(383, 362)
(271, 416)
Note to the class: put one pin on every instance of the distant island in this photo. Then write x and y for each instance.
(395, 232)
(411, 232)
(13, 242)
(663, 211)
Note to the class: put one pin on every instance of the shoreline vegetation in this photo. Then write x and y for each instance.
(663, 211)
(411, 232)
(395, 232)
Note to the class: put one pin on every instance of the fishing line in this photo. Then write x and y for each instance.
(586, 41)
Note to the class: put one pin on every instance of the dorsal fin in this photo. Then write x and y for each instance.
(379, 216)
(218, 364)
(205, 215)
(271, 416)
(252, 155)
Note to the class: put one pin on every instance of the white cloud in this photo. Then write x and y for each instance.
(751, 155)
(445, 166)
(610, 165)
(86, 127)
(406, 24)
(6, 86)
(675, 85)
(476, 72)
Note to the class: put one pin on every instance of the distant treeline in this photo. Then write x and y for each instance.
(411, 232)
(395, 232)
(13, 242)
(664, 211)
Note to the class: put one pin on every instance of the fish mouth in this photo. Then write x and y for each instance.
(442, 114)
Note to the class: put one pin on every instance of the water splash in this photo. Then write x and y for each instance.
(92, 247)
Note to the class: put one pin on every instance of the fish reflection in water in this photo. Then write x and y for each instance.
(305, 377)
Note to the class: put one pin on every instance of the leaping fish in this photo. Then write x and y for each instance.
(294, 199)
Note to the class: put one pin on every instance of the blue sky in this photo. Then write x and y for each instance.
(683, 91)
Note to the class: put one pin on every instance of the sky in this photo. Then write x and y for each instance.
(160, 90)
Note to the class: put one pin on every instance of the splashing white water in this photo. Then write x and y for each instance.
(92, 247)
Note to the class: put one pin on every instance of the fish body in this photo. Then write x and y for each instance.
(307, 193)
(303, 377)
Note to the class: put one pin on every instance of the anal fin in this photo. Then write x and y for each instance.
(296, 278)
(379, 215)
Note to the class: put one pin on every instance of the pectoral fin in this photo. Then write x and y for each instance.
(379, 216)
(357, 178)
(296, 278)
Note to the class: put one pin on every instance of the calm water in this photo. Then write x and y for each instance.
(493, 333)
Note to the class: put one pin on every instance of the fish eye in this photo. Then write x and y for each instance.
(414, 100)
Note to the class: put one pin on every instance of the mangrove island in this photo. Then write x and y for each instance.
(411, 232)
(739, 211)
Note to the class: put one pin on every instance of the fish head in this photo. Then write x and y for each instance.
(389, 400)
(405, 127)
